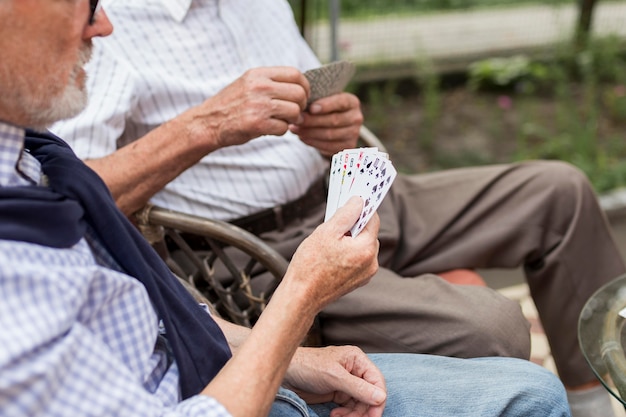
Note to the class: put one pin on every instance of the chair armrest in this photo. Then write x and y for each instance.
(237, 272)
(370, 139)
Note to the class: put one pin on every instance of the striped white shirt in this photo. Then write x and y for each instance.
(168, 55)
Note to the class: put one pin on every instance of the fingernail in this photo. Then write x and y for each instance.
(379, 396)
(315, 108)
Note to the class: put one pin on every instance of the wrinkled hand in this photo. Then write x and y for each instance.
(330, 263)
(331, 124)
(263, 101)
(341, 374)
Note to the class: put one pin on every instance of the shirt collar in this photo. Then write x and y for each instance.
(178, 9)
(17, 167)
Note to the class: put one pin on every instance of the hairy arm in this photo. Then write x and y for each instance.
(327, 265)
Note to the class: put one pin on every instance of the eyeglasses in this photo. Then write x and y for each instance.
(94, 7)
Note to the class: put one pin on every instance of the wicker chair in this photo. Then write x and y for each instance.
(237, 273)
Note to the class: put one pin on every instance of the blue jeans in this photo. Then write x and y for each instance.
(437, 386)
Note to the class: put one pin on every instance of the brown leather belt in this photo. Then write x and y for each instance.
(276, 218)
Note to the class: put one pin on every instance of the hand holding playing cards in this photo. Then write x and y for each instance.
(333, 118)
(330, 262)
(331, 123)
(263, 101)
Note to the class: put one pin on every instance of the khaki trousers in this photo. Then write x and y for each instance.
(541, 215)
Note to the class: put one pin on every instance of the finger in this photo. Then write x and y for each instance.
(286, 111)
(292, 93)
(327, 141)
(372, 226)
(283, 74)
(336, 120)
(347, 215)
(340, 102)
(285, 83)
(364, 393)
(364, 382)
(291, 75)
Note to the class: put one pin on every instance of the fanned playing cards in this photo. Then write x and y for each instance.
(364, 172)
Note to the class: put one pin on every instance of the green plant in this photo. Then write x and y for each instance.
(507, 73)
(614, 101)
(428, 82)
(381, 97)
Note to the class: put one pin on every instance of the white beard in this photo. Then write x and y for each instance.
(43, 110)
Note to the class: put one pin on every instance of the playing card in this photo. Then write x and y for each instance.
(338, 176)
(374, 193)
(329, 79)
(352, 159)
(369, 170)
(334, 183)
(364, 172)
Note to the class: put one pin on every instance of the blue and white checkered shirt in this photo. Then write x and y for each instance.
(78, 337)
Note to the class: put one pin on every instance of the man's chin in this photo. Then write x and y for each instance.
(70, 104)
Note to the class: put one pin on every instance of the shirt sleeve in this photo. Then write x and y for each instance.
(79, 340)
(111, 90)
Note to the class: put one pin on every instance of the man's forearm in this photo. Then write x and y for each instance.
(262, 355)
(139, 170)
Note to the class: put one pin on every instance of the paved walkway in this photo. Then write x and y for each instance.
(457, 38)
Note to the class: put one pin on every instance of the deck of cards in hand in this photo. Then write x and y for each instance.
(363, 172)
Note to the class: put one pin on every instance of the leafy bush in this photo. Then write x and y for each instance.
(507, 73)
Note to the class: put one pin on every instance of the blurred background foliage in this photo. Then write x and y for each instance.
(565, 99)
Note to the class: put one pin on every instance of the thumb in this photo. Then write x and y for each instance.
(346, 216)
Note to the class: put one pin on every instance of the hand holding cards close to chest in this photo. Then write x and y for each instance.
(364, 172)
(329, 79)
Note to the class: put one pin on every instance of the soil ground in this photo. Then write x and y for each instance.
(458, 127)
